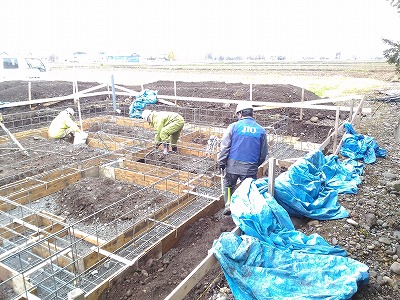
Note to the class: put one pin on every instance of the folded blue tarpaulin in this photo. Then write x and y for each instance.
(360, 147)
(274, 261)
(255, 270)
(310, 187)
(142, 99)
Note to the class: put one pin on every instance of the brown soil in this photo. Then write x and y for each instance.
(158, 277)
(92, 195)
(17, 91)
(44, 155)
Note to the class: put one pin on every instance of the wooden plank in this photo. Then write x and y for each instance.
(49, 250)
(17, 282)
(87, 237)
(8, 231)
(317, 101)
(48, 261)
(41, 190)
(19, 247)
(112, 256)
(27, 225)
(58, 99)
(29, 296)
(265, 103)
(158, 171)
(149, 180)
(329, 139)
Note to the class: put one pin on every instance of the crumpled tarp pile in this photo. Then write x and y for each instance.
(310, 187)
(142, 99)
(360, 147)
(272, 260)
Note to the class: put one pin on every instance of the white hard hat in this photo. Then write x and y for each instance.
(70, 111)
(146, 114)
(243, 106)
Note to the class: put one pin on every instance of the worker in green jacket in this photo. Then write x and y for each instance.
(63, 126)
(168, 126)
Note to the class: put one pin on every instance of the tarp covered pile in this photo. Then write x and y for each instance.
(142, 99)
(360, 147)
(272, 260)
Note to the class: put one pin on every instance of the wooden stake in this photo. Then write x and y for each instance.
(175, 91)
(302, 102)
(14, 139)
(271, 175)
(113, 93)
(30, 92)
(78, 102)
(335, 136)
(351, 110)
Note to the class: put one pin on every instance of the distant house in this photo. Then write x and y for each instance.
(133, 58)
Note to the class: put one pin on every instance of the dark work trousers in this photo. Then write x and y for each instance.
(230, 181)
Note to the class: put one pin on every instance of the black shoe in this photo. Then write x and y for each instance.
(227, 211)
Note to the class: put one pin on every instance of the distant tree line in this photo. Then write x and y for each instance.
(210, 56)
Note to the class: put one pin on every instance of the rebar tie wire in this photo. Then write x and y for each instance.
(209, 286)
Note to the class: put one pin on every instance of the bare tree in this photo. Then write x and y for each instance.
(395, 3)
(392, 54)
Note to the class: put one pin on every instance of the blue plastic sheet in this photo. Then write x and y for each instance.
(258, 214)
(255, 270)
(360, 147)
(310, 187)
(142, 99)
(272, 260)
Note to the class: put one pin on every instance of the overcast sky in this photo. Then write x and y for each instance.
(227, 27)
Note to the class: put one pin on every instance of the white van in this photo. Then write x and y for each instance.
(21, 68)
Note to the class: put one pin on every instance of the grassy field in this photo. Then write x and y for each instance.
(324, 78)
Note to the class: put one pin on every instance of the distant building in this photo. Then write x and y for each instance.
(133, 58)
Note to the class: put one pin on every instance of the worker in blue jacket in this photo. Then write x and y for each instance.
(244, 147)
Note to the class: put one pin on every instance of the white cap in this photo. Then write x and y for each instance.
(243, 106)
(70, 111)
(146, 114)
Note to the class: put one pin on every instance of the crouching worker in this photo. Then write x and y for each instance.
(168, 126)
(63, 126)
(244, 147)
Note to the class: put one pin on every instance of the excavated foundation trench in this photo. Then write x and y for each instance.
(76, 216)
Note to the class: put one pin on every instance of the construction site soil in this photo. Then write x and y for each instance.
(374, 240)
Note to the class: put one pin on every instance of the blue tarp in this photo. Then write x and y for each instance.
(360, 147)
(272, 260)
(142, 99)
(310, 187)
